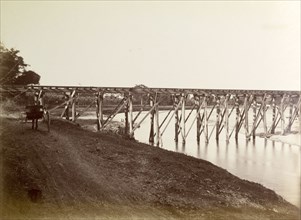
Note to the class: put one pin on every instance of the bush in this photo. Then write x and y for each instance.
(10, 106)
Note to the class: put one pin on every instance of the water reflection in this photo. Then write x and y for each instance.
(217, 156)
(183, 148)
(226, 152)
(198, 150)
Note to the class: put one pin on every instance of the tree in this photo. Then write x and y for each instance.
(13, 69)
(165, 99)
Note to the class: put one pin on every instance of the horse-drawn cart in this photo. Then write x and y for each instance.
(36, 112)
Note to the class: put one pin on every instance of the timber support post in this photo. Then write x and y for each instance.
(131, 125)
(69, 98)
(158, 134)
(176, 102)
(237, 117)
(282, 115)
(151, 133)
(205, 120)
(126, 115)
(217, 118)
(273, 115)
(99, 110)
(246, 117)
(293, 114)
(264, 118)
(40, 98)
(73, 106)
(66, 109)
(198, 118)
(183, 130)
(226, 123)
(288, 129)
(254, 107)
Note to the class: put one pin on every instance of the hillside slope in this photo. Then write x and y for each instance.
(74, 173)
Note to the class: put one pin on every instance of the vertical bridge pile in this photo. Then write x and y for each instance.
(243, 103)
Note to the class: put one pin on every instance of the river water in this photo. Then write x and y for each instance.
(274, 164)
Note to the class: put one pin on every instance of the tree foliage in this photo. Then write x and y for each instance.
(13, 69)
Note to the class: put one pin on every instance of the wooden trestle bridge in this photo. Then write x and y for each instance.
(224, 102)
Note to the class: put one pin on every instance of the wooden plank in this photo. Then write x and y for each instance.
(86, 109)
(140, 111)
(145, 116)
(174, 113)
(255, 125)
(222, 116)
(195, 118)
(220, 130)
(170, 110)
(122, 104)
(116, 110)
(279, 119)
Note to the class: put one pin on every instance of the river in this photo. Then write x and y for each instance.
(274, 164)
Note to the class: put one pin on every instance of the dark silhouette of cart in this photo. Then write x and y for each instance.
(36, 112)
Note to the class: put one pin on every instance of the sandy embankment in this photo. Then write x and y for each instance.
(292, 138)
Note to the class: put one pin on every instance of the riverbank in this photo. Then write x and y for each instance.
(75, 173)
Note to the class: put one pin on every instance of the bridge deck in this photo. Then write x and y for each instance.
(219, 97)
(89, 89)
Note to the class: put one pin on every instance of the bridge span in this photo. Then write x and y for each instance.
(242, 103)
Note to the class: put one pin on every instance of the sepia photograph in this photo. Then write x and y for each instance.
(150, 110)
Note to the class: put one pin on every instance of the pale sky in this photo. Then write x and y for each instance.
(198, 44)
